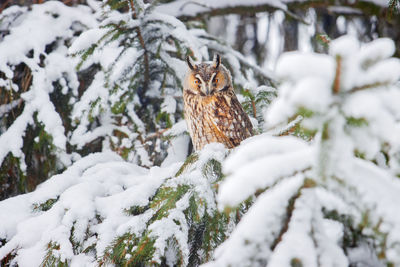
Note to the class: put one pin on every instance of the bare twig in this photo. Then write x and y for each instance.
(193, 3)
(239, 9)
(336, 82)
(253, 105)
(368, 86)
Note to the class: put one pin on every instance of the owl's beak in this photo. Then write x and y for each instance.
(207, 90)
(209, 86)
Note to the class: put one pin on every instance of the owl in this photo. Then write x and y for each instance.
(212, 110)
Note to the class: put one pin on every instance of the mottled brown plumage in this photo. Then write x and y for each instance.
(212, 110)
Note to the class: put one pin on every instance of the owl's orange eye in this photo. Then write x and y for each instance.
(215, 82)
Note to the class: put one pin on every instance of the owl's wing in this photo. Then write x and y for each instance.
(230, 120)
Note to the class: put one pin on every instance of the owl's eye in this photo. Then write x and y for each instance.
(215, 82)
(197, 81)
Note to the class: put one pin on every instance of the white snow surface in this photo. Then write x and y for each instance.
(306, 239)
(249, 241)
(260, 162)
(177, 151)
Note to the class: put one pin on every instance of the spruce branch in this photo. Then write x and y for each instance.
(238, 9)
(145, 52)
(289, 213)
(393, 8)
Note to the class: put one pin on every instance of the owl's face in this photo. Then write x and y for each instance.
(206, 79)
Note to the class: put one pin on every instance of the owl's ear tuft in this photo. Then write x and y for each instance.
(190, 63)
(216, 61)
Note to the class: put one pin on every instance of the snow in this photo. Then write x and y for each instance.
(308, 78)
(120, 62)
(193, 8)
(31, 28)
(344, 10)
(305, 238)
(379, 185)
(379, 49)
(250, 172)
(179, 66)
(374, 108)
(370, 64)
(168, 105)
(173, 227)
(91, 199)
(86, 39)
(274, 47)
(177, 129)
(260, 226)
(177, 151)
(287, 181)
(338, 180)
(381, 3)
(57, 66)
(7, 107)
(296, 242)
(124, 63)
(98, 185)
(294, 66)
(364, 256)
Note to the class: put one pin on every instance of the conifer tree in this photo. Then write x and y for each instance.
(136, 95)
(38, 84)
(125, 97)
(104, 210)
(108, 79)
(330, 201)
(101, 209)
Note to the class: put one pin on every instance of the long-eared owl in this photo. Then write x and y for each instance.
(212, 110)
